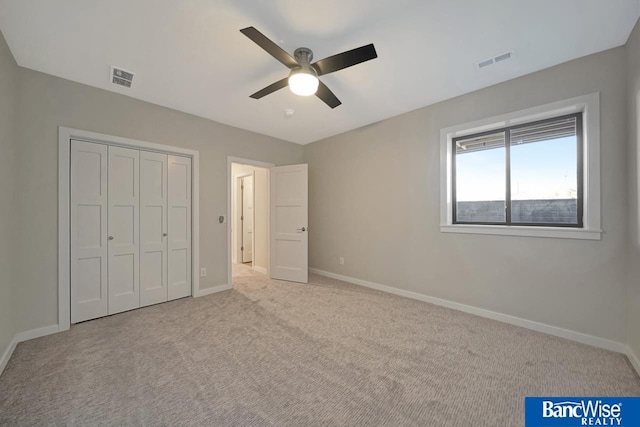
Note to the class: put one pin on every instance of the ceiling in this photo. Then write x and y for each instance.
(189, 55)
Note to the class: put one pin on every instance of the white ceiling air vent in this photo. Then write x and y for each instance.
(121, 77)
(494, 60)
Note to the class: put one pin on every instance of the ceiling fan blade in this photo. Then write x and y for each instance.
(272, 49)
(345, 59)
(327, 96)
(271, 88)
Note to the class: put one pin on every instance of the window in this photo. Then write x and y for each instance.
(533, 172)
(529, 174)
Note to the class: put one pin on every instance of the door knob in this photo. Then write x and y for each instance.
(164, 234)
(110, 237)
(302, 229)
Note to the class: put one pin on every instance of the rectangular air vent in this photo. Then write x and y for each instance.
(121, 77)
(502, 57)
(485, 63)
(494, 60)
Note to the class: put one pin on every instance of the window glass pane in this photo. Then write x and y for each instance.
(480, 179)
(544, 173)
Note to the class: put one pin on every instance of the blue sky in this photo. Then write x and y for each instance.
(540, 170)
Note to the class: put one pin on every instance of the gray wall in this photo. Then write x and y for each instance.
(46, 102)
(8, 211)
(375, 200)
(633, 93)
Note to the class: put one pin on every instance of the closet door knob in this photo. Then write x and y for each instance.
(164, 234)
(110, 237)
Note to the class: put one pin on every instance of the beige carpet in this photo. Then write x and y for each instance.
(285, 354)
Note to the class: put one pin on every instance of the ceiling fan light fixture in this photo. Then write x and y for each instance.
(303, 77)
(303, 82)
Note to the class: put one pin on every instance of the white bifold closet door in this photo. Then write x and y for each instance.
(130, 229)
(124, 220)
(88, 231)
(153, 228)
(179, 233)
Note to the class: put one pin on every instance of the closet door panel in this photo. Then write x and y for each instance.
(153, 228)
(179, 222)
(124, 220)
(88, 231)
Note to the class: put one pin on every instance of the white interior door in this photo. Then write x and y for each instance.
(289, 215)
(153, 228)
(247, 219)
(124, 217)
(179, 231)
(88, 231)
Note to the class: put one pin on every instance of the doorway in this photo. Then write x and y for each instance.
(283, 251)
(249, 217)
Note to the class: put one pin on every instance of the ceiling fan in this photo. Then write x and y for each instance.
(303, 77)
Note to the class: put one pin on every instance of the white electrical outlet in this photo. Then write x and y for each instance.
(203, 272)
(341, 261)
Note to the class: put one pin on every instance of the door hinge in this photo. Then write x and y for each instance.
(242, 248)
(242, 218)
(242, 187)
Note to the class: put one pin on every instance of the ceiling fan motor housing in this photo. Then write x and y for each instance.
(303, 54)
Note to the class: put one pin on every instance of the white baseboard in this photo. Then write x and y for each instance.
(259, 269)
(7, 354)
(635, 362)
(36, 333)
(213, 290)
(529, 324)
(25, 336)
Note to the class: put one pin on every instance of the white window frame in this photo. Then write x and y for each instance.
(589, 105)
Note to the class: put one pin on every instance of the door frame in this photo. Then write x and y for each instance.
(250, 162)
(65, 135)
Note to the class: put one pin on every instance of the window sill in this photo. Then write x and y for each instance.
(522, 231)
